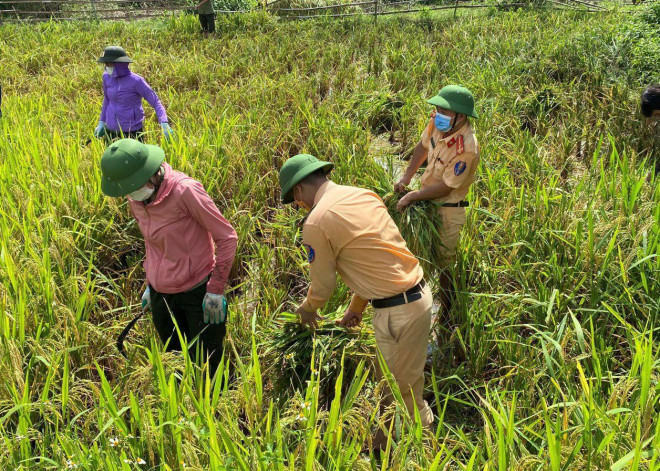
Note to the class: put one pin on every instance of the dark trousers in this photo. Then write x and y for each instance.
(207, 20)
(186, 309)
(114, 135)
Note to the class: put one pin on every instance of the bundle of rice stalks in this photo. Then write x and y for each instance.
(420, 225)
(291, 347)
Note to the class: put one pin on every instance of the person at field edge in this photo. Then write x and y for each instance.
(650, 107)
(206, 17)
(348, 231)
(450, 149)
(122, 114)
(650, 103)
(190, 246)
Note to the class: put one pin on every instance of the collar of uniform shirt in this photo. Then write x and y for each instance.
(455, 133)
(322, 190)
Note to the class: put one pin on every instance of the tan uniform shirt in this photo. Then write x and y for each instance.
(350, 232)
(452, 160)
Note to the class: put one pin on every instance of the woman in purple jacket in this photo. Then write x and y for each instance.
(122, 114)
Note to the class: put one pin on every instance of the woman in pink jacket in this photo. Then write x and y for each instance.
(190, 246)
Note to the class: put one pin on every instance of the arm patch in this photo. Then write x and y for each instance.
(311, 255)
(459, 168)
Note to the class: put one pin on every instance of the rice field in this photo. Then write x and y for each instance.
(549, 359)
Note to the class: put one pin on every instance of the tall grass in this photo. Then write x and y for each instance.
(551, 361)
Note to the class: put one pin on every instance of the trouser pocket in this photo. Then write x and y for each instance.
(383, 326)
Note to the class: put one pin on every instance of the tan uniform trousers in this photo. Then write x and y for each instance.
(453, 219)
(402, 335)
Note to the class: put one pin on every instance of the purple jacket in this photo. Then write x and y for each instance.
(122, 100)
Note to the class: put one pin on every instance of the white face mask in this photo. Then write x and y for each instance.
(109, 70)
(141, 194)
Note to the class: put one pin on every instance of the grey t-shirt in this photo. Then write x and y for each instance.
(206, 8)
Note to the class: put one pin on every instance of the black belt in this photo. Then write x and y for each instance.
(461, 204)
(413, 294)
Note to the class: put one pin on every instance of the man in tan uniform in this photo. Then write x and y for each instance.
(451, 152)
(349, 231)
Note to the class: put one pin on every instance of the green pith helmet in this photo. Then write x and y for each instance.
(127, 165)
(455, 98)
(114, 54)
(296, 169)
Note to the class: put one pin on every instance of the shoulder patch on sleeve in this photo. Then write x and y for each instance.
(460, 167)
(311, 255)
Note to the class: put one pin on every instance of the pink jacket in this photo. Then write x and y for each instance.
(185, 235)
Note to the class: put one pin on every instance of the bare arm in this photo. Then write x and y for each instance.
(418, 158)
(353, 315)
(432, 192)
(455, 175)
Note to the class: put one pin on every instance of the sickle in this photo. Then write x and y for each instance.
(125, 332)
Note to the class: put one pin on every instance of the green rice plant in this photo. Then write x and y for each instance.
(340, 351)
(553, 361)
(420, 224)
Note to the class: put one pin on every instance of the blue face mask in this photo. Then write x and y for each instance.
(442, 122)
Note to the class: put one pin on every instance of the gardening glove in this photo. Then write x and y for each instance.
(168, 132)
(100, 129)
(146, 300)
(215, 308)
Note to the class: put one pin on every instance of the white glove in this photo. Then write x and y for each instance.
(146, 300)
(215, 308)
